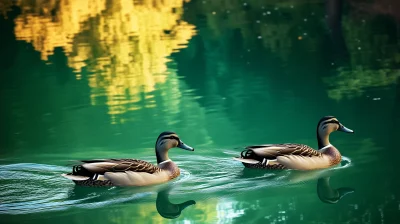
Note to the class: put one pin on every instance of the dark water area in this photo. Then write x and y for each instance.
(84, 79)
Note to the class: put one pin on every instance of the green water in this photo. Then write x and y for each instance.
(101, 79)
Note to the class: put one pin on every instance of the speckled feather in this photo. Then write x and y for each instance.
(121, 165)
(261, 165)
(94, 183)
(272, 151)
(118, 165)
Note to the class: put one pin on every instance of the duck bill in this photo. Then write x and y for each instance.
(344, 129)
(184, 146)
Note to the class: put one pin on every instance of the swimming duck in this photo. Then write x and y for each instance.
(131, 172)
(297, 156)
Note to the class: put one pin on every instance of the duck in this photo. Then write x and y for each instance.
(131, 172)
(297, 156)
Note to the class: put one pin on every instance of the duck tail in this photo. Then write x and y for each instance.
(247, 156)
(79, 173)
(249, 161)
(74, 177)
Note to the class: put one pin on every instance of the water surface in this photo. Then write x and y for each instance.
(101, 79)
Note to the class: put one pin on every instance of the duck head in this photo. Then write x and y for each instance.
(327, 125)
(167, 140)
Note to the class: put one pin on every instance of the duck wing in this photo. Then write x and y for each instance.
(124, 172)
(101, 166)
(272, 151)
(290, 156)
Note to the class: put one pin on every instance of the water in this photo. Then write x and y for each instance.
(101, 79)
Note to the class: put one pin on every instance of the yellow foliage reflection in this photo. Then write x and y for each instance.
(124, 45)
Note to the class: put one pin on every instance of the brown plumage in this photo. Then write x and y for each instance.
(296, 156)
(120, 165)
(130, 172)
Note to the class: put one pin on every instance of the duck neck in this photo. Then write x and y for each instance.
(323, 140)
(166, 164)
(162, 156)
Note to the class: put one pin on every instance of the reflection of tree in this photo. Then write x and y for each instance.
(378, 7)
(371, 40)
(274, 25)
(372, 45)
(5, 6)
(353, 83)
(122, 45)
(250, 58)
(121, 49)
(295, 28)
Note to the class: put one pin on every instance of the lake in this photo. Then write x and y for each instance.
(86, 79)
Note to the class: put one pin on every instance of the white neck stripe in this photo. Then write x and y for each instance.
(326, 146)
(166, 161)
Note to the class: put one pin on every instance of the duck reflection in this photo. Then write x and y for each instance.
(326, 193)
(166, 208)
(334, 14)
(95, 197)
(330, 195)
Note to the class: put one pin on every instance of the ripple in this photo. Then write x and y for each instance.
(227, 176)
(33, 188)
